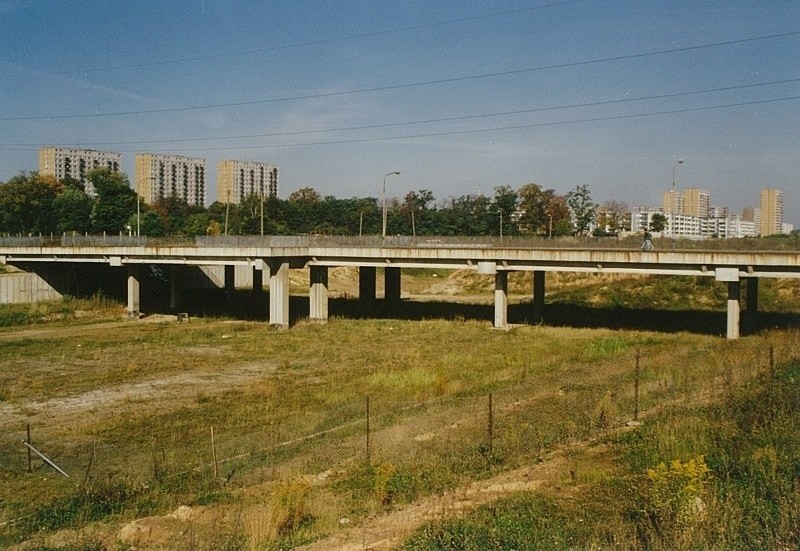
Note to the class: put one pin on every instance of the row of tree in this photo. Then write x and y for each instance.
(35, 204)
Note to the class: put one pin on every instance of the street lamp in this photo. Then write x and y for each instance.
(395, 173)
(675, 162)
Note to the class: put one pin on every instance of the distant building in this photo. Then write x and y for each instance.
(672, 202)
(75, 163)
(238, 179)
(159, 176)
(695, 202)
(771, 212)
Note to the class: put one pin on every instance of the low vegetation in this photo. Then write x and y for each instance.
(274, 439)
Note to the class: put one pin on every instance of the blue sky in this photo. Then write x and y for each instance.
(460, 96)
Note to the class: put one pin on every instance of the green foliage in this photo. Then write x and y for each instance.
(26, 204)
(583, 208)
(115, 202)
(84, 505)
(658, 223)
(73, 210)
(525, 521)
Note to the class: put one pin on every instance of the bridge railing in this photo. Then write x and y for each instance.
(788, 243)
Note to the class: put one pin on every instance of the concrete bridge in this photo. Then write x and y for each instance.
(273, 257)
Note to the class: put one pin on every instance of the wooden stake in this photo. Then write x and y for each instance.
(214, 452)
(491, 425)
(30, 463)
(636, 388)
(368, 458)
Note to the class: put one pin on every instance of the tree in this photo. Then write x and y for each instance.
(414, 209)
(583, 208)
(558, 217)
(115, 202)
(611, 215)
(73, 210)
(173, 212)
(532, 201)
(543, 211)
(26, 204)
(658, 223)
(504, 205)
(305, 194)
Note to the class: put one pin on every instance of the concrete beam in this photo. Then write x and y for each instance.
(318, 294)
(279, 293)
(501, 300)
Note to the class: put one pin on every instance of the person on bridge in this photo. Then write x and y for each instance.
(647, 244)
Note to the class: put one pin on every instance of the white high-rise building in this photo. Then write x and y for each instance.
(238, 179)
(61, 163)
(160, 176)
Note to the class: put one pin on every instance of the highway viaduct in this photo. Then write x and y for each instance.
(272, 257)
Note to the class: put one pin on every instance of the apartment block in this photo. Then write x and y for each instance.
(695, 202)
(771, 211)
(672, 202)
(64, 163)
(158, 176)
(236, 180)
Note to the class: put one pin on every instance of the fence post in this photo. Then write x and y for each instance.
(214, 453)
(30, 459)
(368, 457)
(772, 361)
(636, 387)
(491, 425)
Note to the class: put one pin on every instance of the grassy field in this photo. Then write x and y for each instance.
(274, 439)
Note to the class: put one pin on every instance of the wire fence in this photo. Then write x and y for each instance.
(461, 433)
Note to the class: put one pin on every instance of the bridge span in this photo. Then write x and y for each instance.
(272, 257)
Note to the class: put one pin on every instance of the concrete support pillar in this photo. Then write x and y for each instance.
(279, 293)
(318, 294)
(366, 286)
(752, 296)
(501, 300)
(230, 278)
(258, 278)
(133, 291)
(538, 296)
(175, 286)
(392, 285)
(731, 277)
(733, 309)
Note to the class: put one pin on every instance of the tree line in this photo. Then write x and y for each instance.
(32, 204)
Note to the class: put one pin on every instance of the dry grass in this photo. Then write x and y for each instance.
(133, 403)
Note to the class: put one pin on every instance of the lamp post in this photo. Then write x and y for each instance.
(395, 173)
(675, 162)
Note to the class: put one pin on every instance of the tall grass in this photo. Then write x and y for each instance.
(721, 475)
